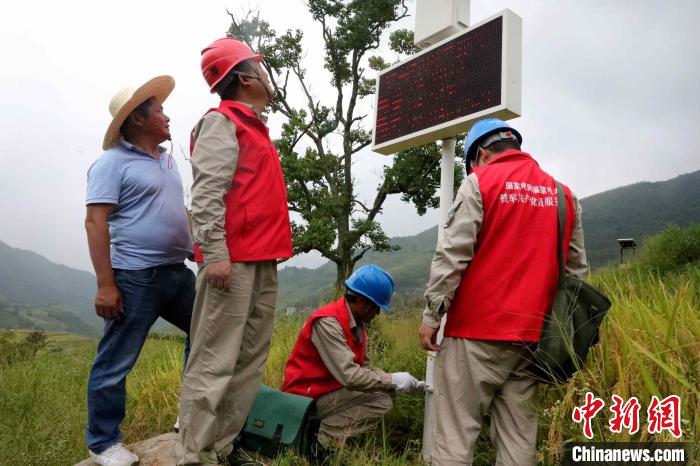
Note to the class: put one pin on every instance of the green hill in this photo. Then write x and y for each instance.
(32, 281)
(299, 287)
(51, 296)
(639, 210)
(16, 315)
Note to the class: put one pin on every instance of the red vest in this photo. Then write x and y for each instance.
(509, 284)
(257, 219)
(305, 373)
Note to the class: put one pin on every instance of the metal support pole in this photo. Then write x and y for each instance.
(447, 171)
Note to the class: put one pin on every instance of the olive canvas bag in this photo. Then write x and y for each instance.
(571, 327)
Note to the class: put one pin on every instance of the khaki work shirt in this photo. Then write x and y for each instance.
(456, 244)
(214, 162)
(329, 339)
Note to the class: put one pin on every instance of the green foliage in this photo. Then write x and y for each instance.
(401, 41)
(415, 175)
(672, 249)
(319, 140)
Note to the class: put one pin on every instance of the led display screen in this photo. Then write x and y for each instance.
(457, 78)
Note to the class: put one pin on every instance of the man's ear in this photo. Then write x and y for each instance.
(244, 81)
(485, 156)
(135, 120)
(362, 301)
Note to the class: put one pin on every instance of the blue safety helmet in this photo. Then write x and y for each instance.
(481, 130)
(373, 283)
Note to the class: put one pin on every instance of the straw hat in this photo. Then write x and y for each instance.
(126, 101)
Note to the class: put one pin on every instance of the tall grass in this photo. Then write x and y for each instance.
(649, 346)
(43, 401)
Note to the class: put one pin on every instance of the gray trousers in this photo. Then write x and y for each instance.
(345, 413)
(230, 334)
(475, 377)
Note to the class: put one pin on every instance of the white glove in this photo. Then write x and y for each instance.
(404, 382)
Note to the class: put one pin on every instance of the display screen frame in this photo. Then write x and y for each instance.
(507, 107)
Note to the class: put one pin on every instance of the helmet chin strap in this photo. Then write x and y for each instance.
(270, 95)
(477, 156)
(472, 162)
(170, 153)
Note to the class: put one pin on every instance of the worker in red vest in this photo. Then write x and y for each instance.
(494, 273)
(241, 228)
(329, 361)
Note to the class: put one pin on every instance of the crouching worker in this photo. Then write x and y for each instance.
(329, 361)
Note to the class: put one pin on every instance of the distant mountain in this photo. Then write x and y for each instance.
(32, 280)
(48, 295)
(14, 314)
(636, 211)
(41, 294)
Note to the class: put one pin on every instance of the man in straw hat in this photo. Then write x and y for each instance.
(135, 204)
(241, 227)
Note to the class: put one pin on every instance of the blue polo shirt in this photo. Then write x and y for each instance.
(148, 226)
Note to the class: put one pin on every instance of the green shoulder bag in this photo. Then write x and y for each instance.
(279, 421)
(571, 327)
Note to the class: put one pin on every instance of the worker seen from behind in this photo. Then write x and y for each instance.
(495, 273)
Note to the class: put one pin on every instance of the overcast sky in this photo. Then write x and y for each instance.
(610, 97)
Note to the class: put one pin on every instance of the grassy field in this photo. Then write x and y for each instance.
(649, 346)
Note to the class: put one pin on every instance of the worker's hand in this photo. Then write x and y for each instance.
(428, 337)
(108, 302)
(404, 382)
(219, 275)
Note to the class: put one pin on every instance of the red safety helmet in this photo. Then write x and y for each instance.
(219, 58)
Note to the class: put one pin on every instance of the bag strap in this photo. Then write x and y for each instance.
(561, 216)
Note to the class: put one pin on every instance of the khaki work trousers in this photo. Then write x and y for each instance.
(231, 333)
(472, 378)
(345, 413)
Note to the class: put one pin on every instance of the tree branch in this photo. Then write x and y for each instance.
(360, 255)
(303, 132)
(360, 147)
(327, 39)
(362, 205)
